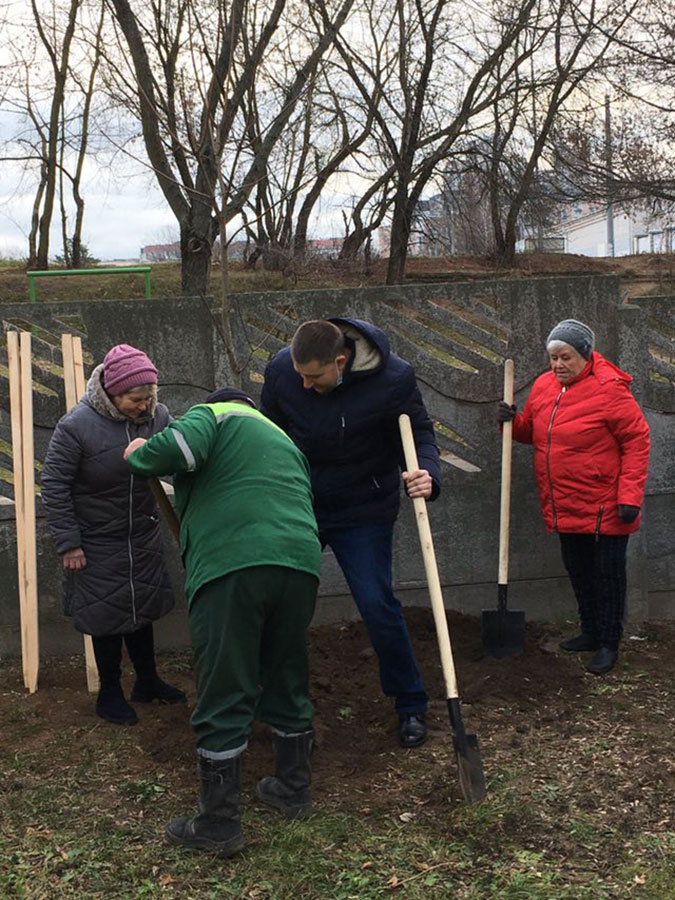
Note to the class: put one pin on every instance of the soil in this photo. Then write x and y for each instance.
(604, 741)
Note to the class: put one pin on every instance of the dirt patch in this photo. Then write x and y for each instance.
(532, 708)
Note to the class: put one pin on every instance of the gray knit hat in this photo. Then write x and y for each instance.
(574, 333)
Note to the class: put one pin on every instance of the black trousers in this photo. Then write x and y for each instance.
(141, 649)
(597, 570)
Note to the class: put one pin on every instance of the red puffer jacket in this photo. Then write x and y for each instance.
(591, 448)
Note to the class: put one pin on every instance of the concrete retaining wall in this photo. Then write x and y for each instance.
(457, 337)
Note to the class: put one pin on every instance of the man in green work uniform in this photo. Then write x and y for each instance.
(250, 546)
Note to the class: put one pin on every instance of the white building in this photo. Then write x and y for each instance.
(633, 233)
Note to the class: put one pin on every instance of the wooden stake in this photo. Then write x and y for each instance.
(30, 628)
(14, 360)
(21, 405)
(68, 370)
(78, 367)
(73, 381)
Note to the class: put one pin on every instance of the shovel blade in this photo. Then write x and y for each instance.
(470, 769)
(503, 632)
(469, 763)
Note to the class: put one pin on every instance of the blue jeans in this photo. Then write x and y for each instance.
(364, 554)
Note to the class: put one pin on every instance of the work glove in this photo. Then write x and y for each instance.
(506, 413)
(628, 514)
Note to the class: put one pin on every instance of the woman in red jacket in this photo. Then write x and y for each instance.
(591, 451)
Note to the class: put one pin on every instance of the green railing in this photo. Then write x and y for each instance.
(116, 270)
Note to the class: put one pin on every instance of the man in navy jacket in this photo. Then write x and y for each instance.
(338, 391)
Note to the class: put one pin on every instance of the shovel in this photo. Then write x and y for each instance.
(469, 765)
(504, 629)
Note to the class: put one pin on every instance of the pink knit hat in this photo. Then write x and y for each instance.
(125, 368)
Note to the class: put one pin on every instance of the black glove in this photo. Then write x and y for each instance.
(628, 514)
(506, 413)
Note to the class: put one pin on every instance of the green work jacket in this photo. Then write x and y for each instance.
(242, 492)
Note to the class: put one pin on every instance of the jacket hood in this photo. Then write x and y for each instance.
(371, 345)
(607, 371)
(602, 369)
(100, 401)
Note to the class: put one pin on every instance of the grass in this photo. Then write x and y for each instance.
(581, 783)
(76, 849)
(84, 827)
(319, 273)
(165, 282)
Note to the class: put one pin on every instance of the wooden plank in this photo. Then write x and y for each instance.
(13, 357)
(78, 364)
(29, 617)
(73, 378)
(93, 682)
(68, 370)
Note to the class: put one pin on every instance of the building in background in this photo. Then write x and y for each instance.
(634, 231)
(160, 252)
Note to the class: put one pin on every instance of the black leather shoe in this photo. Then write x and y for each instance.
(579, 644)
(412, 730)
(603, 661)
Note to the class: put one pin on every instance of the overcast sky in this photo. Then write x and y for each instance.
(122, 214)
(124, 208)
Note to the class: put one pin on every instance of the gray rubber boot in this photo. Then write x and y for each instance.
(288, 790)
(217, 825)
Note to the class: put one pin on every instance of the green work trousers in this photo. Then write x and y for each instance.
(248, 632)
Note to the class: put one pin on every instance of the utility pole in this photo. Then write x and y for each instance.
(608, 182)
(540, 227)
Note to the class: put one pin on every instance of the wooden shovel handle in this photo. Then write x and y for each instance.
(430, 567)
(165, 507)
(505, 499)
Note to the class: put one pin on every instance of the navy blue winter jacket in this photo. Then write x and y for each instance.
(350, 435)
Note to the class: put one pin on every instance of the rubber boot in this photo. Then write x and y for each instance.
(288, 790)
(149, 686)
(217, 825)
(110, 703)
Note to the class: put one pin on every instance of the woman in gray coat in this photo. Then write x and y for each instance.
(104, 522)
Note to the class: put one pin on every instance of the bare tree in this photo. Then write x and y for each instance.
(51, 95)
(192, 71)
(57, 44)
(425, 73)
(571, 48)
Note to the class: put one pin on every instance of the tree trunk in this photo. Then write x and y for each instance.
(60, 69)
(35, 220)
(195, 255)
(398, 244)
(352, 244)
(505, 254)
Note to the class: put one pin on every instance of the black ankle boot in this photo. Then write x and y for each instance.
(217, 825)
(111, 706)
(288, 790)
(110, 703)
(146, 689)
(579, 644)
(149, 686)
(603, 661)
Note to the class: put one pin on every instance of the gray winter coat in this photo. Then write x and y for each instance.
(93, 501)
